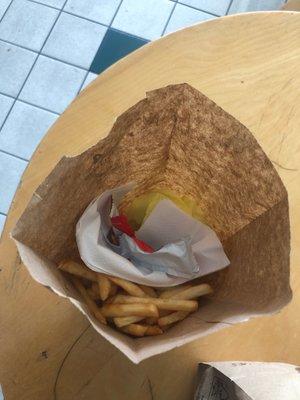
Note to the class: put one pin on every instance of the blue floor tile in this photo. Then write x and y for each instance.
(114, 46)
(11, 170)
(3, 7)
(27, 24)
(143, 18)
(101, 11)
(15, 64)
(184, 16)
(24, 128)
(5, 105)
(74, 40)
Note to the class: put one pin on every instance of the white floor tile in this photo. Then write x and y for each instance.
(11, 170)
(27, 24)
(184, 16)
(14, 67)
(53, 3)
(52, 84)
(2, 222)
(74, 40)
(144, 18)
(24, 128)
(5, 106)
(3, 6)
(218, 7)
(90, 77)
(239, 6)
(97, 10)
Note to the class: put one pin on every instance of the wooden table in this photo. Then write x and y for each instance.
(248, 64)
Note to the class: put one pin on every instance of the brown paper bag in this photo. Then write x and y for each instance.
(175, 138)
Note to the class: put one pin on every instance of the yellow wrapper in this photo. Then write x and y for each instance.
(143, 205)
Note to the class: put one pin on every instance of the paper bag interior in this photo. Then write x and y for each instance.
(175, 139)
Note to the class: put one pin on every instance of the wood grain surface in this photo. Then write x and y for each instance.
(249, 64)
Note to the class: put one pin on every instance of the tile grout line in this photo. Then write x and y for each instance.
(228, 8)
(13, 155)
(28, 103)
(168, 20)
(198, 9)
(115, 14)
(6, 10)
(108, 27)
(39, 53)
(130, 34)
(35, 61)
(12, 104)
(69, 13)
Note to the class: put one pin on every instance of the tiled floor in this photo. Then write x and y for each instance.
(51, 49)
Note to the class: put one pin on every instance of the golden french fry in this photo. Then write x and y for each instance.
(92, 294)
(171, 318)
(151, 320)
(148, 290)
(163, 313)
(167, 293)
(104, 286)
(110, 300)
(129, 287)
(123, 310)
(123, 321)
(95, 288)
(153, 331)
(134, 330)
(193, 292)
(164, 304)
(113, 289)
(74, 268)
(88, 301)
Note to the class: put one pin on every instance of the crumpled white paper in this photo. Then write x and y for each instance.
(184, 247)
(260, 380)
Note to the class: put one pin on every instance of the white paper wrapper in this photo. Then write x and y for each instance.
(184, 247)
(248, 380)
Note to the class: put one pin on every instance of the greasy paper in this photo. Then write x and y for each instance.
(178, 139)
(185, 248)
(248, 381)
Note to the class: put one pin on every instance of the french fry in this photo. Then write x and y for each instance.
(193, 292)
(167, 293)
(92, 294)
(164, 304)
(77, 269)
(95, 289)
(171, 318)
(163, 313)
(113, 289)
(129, 287)
(123, 310)
(153, 331)
(151, 320)
(123, 321)
(104, 286)
(110, 300)
(148, 290)
(88, 301)
(134, 330)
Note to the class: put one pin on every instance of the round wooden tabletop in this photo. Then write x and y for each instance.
(249, 64)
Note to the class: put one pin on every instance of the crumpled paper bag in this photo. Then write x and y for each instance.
(247, 381)
(175, 138)
(184, 247)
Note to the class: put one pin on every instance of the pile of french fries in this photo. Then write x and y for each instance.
(136, 310)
